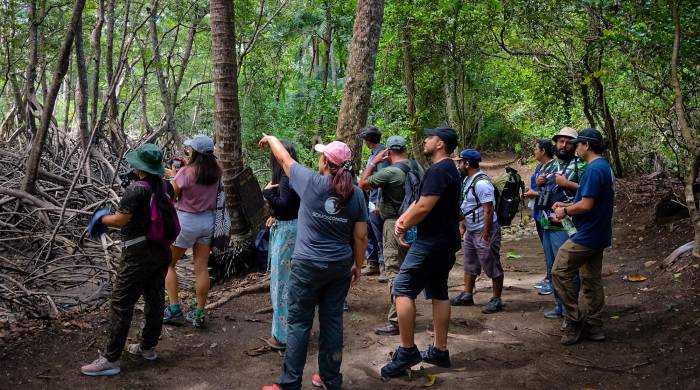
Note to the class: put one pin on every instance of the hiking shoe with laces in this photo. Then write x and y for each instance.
(101, 367)
(173, 318)
(402, 360)
(436, 357)
(547, 289)
(541, 284)
(463, 299)
(572, 333)
(494, 306)
(195, 320)
(317, 381)
(136, 350)
(370, 270)
(557, 312)
(593, 332)
(388, 329)
(383, 277)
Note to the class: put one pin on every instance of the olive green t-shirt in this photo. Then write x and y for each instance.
(391, 180)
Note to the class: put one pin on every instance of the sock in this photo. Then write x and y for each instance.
(175, 308)
(199, 312)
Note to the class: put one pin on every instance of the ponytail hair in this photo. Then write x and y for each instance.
(341, 181)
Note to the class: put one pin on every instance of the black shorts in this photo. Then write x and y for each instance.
(426, 267)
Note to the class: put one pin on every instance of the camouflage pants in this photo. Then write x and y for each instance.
(394, 253)
(141, 272)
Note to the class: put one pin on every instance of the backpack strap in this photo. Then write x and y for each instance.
(472, 187)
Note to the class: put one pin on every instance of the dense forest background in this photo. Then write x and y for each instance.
(501, 72)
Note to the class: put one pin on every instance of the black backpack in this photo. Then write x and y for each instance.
(411, 186)
(507, 200)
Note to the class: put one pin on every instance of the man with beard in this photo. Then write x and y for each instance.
(431, 256)
(559, 183)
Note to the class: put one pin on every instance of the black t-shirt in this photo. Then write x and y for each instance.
(137, 202)
(441, 225)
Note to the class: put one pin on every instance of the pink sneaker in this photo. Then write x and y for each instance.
(101, 367)
(317, 382)
(272, 387)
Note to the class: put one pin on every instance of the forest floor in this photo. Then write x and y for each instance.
(652, 326)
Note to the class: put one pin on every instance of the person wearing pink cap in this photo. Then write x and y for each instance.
(328, 254)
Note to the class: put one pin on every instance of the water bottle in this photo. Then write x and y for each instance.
(568, 225)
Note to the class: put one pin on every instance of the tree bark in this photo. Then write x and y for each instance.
(690, 135)
(228, 116)
(30, 75)
(96, 43)
(409, 79)
(112, 113)
(32, 167)
(327, 40)
(82, 90)
(359, 74)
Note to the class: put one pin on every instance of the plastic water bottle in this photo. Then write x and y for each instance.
(568, 225)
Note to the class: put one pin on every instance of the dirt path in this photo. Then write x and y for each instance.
(653, 330)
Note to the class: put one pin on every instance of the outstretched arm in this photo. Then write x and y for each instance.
(278, 150)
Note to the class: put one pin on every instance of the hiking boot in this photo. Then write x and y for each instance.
(547, 289)
(101, 367)
(317, 382)
(275, 344)
(371, 270)
(403, 359)
(557, 312)
(463, 299)
(572, 333)
(494, 306)
(383, 277)
(171, 318)
(389, 329)
(593, 332)
(198, 321)
(136, 350)
(436, 357)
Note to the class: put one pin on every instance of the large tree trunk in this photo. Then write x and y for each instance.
(30, 75)
(96, 43)
(359, 74)
(228, 116)
(409, 79)
(109, 61)
(32, 167)
(690, 135)
(82, 90)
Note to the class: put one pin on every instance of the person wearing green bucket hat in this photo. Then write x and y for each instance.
(144, 260)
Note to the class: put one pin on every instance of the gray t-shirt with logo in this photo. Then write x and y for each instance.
(324, 230)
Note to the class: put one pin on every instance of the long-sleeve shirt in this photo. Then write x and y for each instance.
(283, 200)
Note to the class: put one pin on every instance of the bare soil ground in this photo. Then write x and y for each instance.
(653, 330)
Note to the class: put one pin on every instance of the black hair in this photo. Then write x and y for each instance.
(449, 148)
(473, 164)
(547, 147)
(371, 134)
(277, 171)
(206, 168)
(598, 147)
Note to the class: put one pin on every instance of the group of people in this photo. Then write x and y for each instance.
(405, 222)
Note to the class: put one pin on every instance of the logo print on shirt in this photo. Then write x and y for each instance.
(331, 206)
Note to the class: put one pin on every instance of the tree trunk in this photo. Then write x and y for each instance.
(409, 79)
(30, 75)
(96, 43)
(327, 39)
(32, 167)
(689, 134)
(228, 116)
(359, 74)
(82, 90)
(112, 113)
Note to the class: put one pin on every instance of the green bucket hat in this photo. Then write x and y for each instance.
(147, 158)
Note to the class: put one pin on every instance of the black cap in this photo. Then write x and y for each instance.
(446, 134)
(592, 136)
(369, 130)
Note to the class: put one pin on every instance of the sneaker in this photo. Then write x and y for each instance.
(371, 270)
(546, 289)
(436, 357)
(136, 350)
(173, 318)
(196, 321)
(593, 332)
(317, 382)
(572, 333)
(541, 284)
(389, 329)
(101, 367)
(275, 344)
(383, 278)
(554, 313)
(494, 306)
(403, 359)
(463, 299)
(272, 387)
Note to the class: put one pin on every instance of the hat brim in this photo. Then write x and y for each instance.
(430, 131)
(136, 163)
(457, 158)
(320, 148)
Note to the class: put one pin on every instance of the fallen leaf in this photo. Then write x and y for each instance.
(430, 380)
(513, 255)
(636, 278)
(677, 275)
(615, 317)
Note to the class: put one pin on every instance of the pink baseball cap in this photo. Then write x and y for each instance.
(336, 152)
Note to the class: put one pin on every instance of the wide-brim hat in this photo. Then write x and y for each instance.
(147, 158)
(569, 132)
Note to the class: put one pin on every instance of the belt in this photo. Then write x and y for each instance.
(133, 241)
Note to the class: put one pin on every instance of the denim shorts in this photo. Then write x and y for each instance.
(194, 228)
(426, 267)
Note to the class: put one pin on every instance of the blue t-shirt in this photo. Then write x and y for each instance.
(441, 225)
(594, 229)
(324, 230)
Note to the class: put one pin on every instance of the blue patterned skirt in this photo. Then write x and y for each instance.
(283, 234)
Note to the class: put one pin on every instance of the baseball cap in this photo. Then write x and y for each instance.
(565, 132)
(364, 132)
(336, 152)
(589, 135)
(446, 134)
(469, 155)
(201, 143)
(396, 142)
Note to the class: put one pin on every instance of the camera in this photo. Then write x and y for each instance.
(127, 178)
